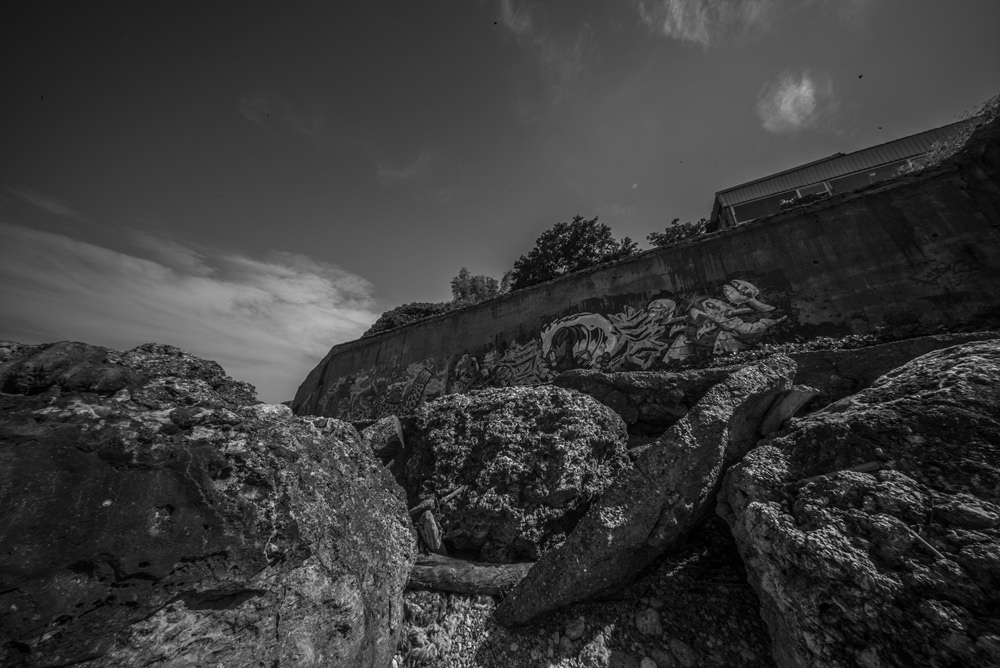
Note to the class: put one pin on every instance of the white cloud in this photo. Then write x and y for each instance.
(266, 320)
(707, 22)
(268, 108)
(42, 202)
(419, 177)
(789, 103)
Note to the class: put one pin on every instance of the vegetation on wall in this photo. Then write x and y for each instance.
(563, 249)
(676, 232)
(406, 314)
(467, 289)
(569, 247)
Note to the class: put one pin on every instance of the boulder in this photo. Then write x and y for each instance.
(840, 373)
(152, 513)
(648, 401)
(512, 469)
(649, 508)
(871, 529)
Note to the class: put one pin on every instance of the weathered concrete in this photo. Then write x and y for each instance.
(923, 249)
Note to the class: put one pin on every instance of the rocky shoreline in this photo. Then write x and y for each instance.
(811, 507)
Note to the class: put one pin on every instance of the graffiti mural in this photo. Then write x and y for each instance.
(668, 329)
(378, 392)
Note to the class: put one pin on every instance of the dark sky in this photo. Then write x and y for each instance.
(256, 182)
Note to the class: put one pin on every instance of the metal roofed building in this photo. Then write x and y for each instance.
(838, 173)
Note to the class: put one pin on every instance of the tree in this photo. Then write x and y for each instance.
(468, 289)
(407, 313)
(677, 232)
(569, 247)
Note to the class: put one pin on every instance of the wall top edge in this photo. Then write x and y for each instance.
(743, 228)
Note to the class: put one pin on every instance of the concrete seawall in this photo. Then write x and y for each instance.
(920, 249)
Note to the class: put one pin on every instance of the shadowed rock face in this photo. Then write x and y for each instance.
(530, 459)
(648, 401)
(841, 373)
(647, 510)
(152, 514)
(896, 566)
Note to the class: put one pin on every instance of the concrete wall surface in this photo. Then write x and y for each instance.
(921, 249)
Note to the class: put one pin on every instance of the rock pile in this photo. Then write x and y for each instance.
(152, 513)
(649, 508)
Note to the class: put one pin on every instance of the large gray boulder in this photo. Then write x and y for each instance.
(650, 508)
(871, 530)
(152, 513)
(520, 465)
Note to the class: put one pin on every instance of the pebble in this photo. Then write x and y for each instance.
(575, 628)
(685, 655)
(647, 663)
(662, 658)
(648, 622)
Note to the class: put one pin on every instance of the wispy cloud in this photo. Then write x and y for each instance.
(710, 23)
(419, 176)
(707, 22)
(267, 320)
(790, 104)
(516, 18)
(41, 202)
(561, 59)
(269, 109)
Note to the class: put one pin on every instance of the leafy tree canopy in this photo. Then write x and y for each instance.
(468, 289)
(569, 247)
(677, 232)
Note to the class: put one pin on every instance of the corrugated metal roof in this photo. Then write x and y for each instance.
(839, 164)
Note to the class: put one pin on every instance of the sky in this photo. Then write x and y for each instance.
(256, 182)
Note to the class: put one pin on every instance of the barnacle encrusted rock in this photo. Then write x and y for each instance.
(530, 460)
(152, 513)
(894, 563)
